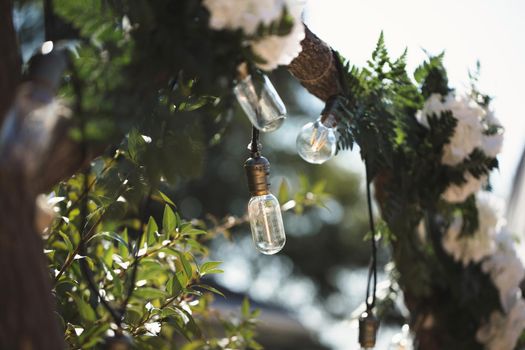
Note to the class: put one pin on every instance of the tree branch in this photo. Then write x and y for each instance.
(315, 67)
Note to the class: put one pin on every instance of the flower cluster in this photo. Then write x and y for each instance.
(476, 128)
(248, 15)
(468, 131)
(492, 246)
(459, 193)
(506, 270)
(474, 247)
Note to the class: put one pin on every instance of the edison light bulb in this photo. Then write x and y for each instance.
(264, 211)
(259, 100)
(316, 142)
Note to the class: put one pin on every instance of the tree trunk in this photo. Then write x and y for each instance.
(27, 318)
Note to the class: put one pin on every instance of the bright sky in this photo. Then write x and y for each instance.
(492, 31)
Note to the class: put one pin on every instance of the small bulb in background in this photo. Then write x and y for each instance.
(316, 142)
(368, 326)
(264, 211)
(259, 100)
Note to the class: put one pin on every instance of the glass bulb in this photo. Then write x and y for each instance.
(316, 142)
(261, 103)
(266, 223)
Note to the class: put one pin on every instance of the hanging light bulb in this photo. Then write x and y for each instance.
(259, 100)
(368, 325)
(316, 142)
(264, 211)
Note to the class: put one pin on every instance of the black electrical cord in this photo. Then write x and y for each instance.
(255, 147)
(372, 270)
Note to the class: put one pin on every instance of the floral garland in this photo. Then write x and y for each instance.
(490, 245)
(477, 128)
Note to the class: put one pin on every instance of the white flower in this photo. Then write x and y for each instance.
(491, 144)
(153, 327)
(281, 50)
(475, 246)
(459, 193)
(506, 270)
(243, 14)
(249, 14)
(502, 331)
(468, 132)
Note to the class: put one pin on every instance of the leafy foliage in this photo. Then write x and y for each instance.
(169, 282)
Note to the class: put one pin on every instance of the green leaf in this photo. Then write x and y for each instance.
(166, 199)
(120, 239)
(191, 326)
(151, 231)
(123, 249)
(169, 221)
(209, 266)
(136, 145)
(188, 271)
(150, 269)
(67, 241)
(173, 286)
(189, 230)
(284, 194)
(84, 309)
(211, 289)
(149, 293)
(182, 278)
(245, 308)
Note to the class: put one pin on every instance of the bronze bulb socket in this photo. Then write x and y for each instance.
(257, 172)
